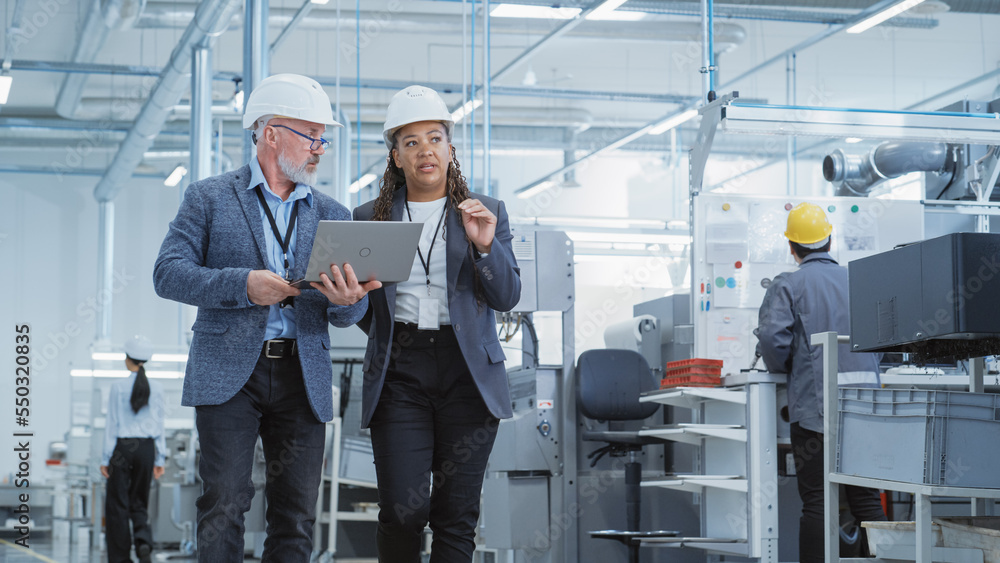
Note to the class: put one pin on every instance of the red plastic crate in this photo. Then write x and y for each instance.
(670, 382)
(694, 370)
(693, 362)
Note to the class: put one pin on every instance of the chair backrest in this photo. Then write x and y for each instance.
(609, 383)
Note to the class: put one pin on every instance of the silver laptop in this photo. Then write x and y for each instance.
(377, 250)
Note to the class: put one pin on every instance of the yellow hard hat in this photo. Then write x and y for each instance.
(807, 224)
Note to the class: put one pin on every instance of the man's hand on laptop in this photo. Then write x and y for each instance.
(344, 289)
(265, 287)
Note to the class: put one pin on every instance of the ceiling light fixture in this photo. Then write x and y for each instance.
(536, 12)
(120, 357)
(672, 121)
(361, 182)
(175, 177)
(6, 81)
(877, 18)
(467, 108)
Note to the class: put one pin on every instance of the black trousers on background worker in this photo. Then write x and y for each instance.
(127, 497)
(865, 504)
(432, 435)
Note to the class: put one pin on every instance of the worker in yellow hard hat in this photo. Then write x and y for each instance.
(812, 299)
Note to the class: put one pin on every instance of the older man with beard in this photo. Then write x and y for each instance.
(259, 362)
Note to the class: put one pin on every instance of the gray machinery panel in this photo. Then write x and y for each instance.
(673, 315)
(546, 262)
(527, 442)
(936, 299)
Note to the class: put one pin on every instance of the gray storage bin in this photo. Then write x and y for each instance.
(930, 437)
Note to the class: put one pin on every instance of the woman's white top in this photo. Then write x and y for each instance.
(410, 292)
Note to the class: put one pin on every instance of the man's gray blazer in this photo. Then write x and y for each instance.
(474, 325)
(212, 245)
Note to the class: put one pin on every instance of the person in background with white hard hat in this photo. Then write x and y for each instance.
(134, 453)
(435, 384)
(812, 299)
(259, 363)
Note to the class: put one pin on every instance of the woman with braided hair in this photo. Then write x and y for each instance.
(435, 384)
(134, 453)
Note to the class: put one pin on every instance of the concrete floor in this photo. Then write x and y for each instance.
(43, 548)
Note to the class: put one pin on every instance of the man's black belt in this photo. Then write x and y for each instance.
(279, 348)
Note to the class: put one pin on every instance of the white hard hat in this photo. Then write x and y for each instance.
(413, 104)
(139, 348)
(289, 95)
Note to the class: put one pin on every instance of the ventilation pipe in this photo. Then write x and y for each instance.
(210, 17)
(103, 16)
(856, 175)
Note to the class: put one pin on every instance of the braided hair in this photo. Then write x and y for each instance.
(457, 191)
(140, 388)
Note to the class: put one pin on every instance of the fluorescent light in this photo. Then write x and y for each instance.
(5, 81)
(124, 373)
(597, 222)
(614, 238)
(169, 358)
(361, 182)
(238, 99)
(120, 357)
(175, 177)
(539, 12)
(536, 189)
(460, 113)
(890, 12)
(319, 1)
(108, 356)
(606, 11)
(673, 121)
(853, 140)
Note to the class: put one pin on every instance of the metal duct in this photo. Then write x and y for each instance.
(103, 16)
(858, 174)
(121, 14)
(211, 16)
(727, 35)
(89, 42)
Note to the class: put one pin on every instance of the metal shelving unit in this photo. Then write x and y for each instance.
(923, 551)
(736, 433)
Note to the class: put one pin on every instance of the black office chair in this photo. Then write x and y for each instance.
(609, 383)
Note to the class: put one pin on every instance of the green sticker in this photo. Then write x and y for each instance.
(720, 282)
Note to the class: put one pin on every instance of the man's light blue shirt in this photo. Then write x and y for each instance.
(121, 422)
(280, 321)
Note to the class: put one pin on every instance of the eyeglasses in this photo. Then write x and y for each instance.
(313, 143)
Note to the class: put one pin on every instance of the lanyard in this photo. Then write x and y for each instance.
(427, 264)
(283, 243)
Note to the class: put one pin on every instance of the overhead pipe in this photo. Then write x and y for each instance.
(727, 35)
(373, 84)
(856, 175)
(102, 17)
(628, 138)
(166, 93)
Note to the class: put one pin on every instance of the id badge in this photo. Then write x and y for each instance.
(428, 316)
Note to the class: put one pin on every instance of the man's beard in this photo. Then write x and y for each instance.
(298, 173)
